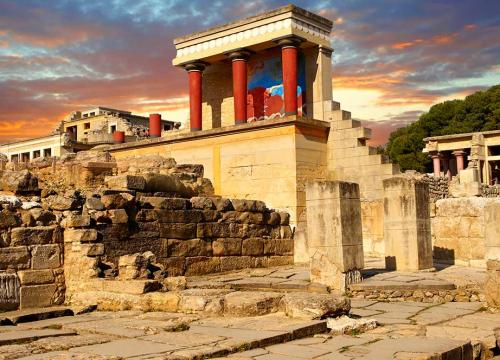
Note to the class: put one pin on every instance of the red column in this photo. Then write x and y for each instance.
(436, 163)
(154, 125)
(289, 51)
(459, 156)
(119, 137)
(239, 64)
(195, 74)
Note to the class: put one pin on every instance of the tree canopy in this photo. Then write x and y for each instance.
(477, 112)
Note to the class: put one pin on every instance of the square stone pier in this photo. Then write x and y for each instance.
(407, 225)
(334, 233)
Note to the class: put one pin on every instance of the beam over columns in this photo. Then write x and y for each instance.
(239, 63)
(195, 71)
(289, 58)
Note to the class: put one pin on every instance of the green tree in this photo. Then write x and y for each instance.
(477, 112)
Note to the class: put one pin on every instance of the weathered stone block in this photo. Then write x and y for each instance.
(76, 221)
(36, 277)
(243, 217)
(185, 248)
(229, 263)
(248, 205)
(407, 226)
(222, 204)
(117, 201)
(43, 217)
(125, 182)
(226, 247)
(37, 295)
(178, 231)
(14, 257)
(19, 182)
(221, 230)
(117, 216)
(95, 249)
(165, 203)
(80, 235)
(257, 230)
(45, 257)
(278, 246)
(273, 218)
(315, 306)
(252, 247)
(252, 303)
(203, 203)
(61, 203)
(211, 215)
(174, 266)
(32, 235)
(93, 203)
(9, 219)
(111, 232)
(170, 216)
(201, 265)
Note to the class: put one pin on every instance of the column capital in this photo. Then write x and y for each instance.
(435, 155)
(289, 41)
(239, 54)
(195, 66)
(458, 152)
(325, 50)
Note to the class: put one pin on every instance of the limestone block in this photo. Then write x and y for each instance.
(125, 182)
(211, 215)
(248, 205)
(174, 266)
(226, 247)
(230, 263)
(201, 265)
(9, 291)
(116, 201)
(117, 216)
(202, 203)
(17, 257)
(407, 232)
(222, 204)
(178, 231)
(492, 284)
(251, 303)
(315, 306)
(18, 182)
(185, 248)
(43, 217)
(157, 202)
(273, 218)
(278, 246)
(33, 235)
(95, 249)
(492, 231)
(252, 247)
(221, 230)
(80, 235)
(9, 219)
(334, 232)
(61, 203)
(37, 295)
(76, 221)
(36, 277)
(45, 256)
(243, 217)
(170, 216)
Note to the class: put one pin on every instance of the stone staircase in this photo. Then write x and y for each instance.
(351, 159)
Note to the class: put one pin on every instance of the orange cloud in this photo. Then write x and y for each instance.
(404, 45)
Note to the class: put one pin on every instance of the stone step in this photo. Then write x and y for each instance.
(23, 336)
(35, 314)
(335, 105)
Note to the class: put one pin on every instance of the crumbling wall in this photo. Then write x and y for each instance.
(62, 233)
(31, 261)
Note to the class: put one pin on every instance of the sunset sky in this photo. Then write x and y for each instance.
(393, 58)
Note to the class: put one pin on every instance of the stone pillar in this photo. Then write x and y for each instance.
(334, 233)
(436, 163)
(492, 253)
(195, 75)
(459, 156)
(407, 224)
(289, 56)
(155, 125)
(239, 64)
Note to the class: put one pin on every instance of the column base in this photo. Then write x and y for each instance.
(290, 113)
(195, 129)
(240, 121)
(154, 136)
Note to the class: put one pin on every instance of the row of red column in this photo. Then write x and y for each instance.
(239, 58)
(436, 163)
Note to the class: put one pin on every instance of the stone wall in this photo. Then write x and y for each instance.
(143, 207)
(458, 230)
(31, 261)
(490, 190)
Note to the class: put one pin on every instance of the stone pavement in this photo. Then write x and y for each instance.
(409, 330)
